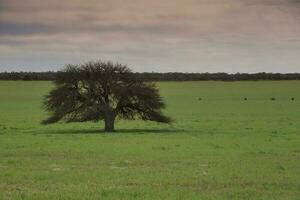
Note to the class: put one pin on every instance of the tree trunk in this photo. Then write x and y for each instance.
(109, 120)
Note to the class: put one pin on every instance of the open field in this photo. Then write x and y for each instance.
(220, 147)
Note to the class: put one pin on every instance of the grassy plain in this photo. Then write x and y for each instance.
(220, 147)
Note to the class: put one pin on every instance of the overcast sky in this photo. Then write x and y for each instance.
(152, 35)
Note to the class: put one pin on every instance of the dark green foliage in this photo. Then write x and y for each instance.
(171, 76)
(102, 91)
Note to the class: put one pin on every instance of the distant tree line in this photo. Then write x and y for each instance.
(28, 76)
(175, 76)
(171, 76)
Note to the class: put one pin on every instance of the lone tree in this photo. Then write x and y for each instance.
(102, 91)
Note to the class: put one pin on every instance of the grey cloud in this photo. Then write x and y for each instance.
(31, 29)
(23, 29)
(202, 35)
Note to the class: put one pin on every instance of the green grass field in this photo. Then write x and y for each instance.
(221, 147)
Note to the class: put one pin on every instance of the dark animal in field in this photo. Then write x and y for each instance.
(245, 99)
(199, 99)
(273, 99)
(293, 99)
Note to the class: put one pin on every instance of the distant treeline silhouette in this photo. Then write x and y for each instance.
(28, 76)
(171, 76)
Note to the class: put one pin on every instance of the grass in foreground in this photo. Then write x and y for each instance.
(220, 147)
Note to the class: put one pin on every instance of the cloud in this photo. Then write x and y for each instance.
(218, 33)
(22, 29)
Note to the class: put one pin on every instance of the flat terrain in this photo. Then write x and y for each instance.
(220, 147)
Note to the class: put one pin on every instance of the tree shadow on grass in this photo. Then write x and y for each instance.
(99, 131)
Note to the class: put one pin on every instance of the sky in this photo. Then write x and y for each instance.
(245, 36)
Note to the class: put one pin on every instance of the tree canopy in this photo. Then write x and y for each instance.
(97, 91)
